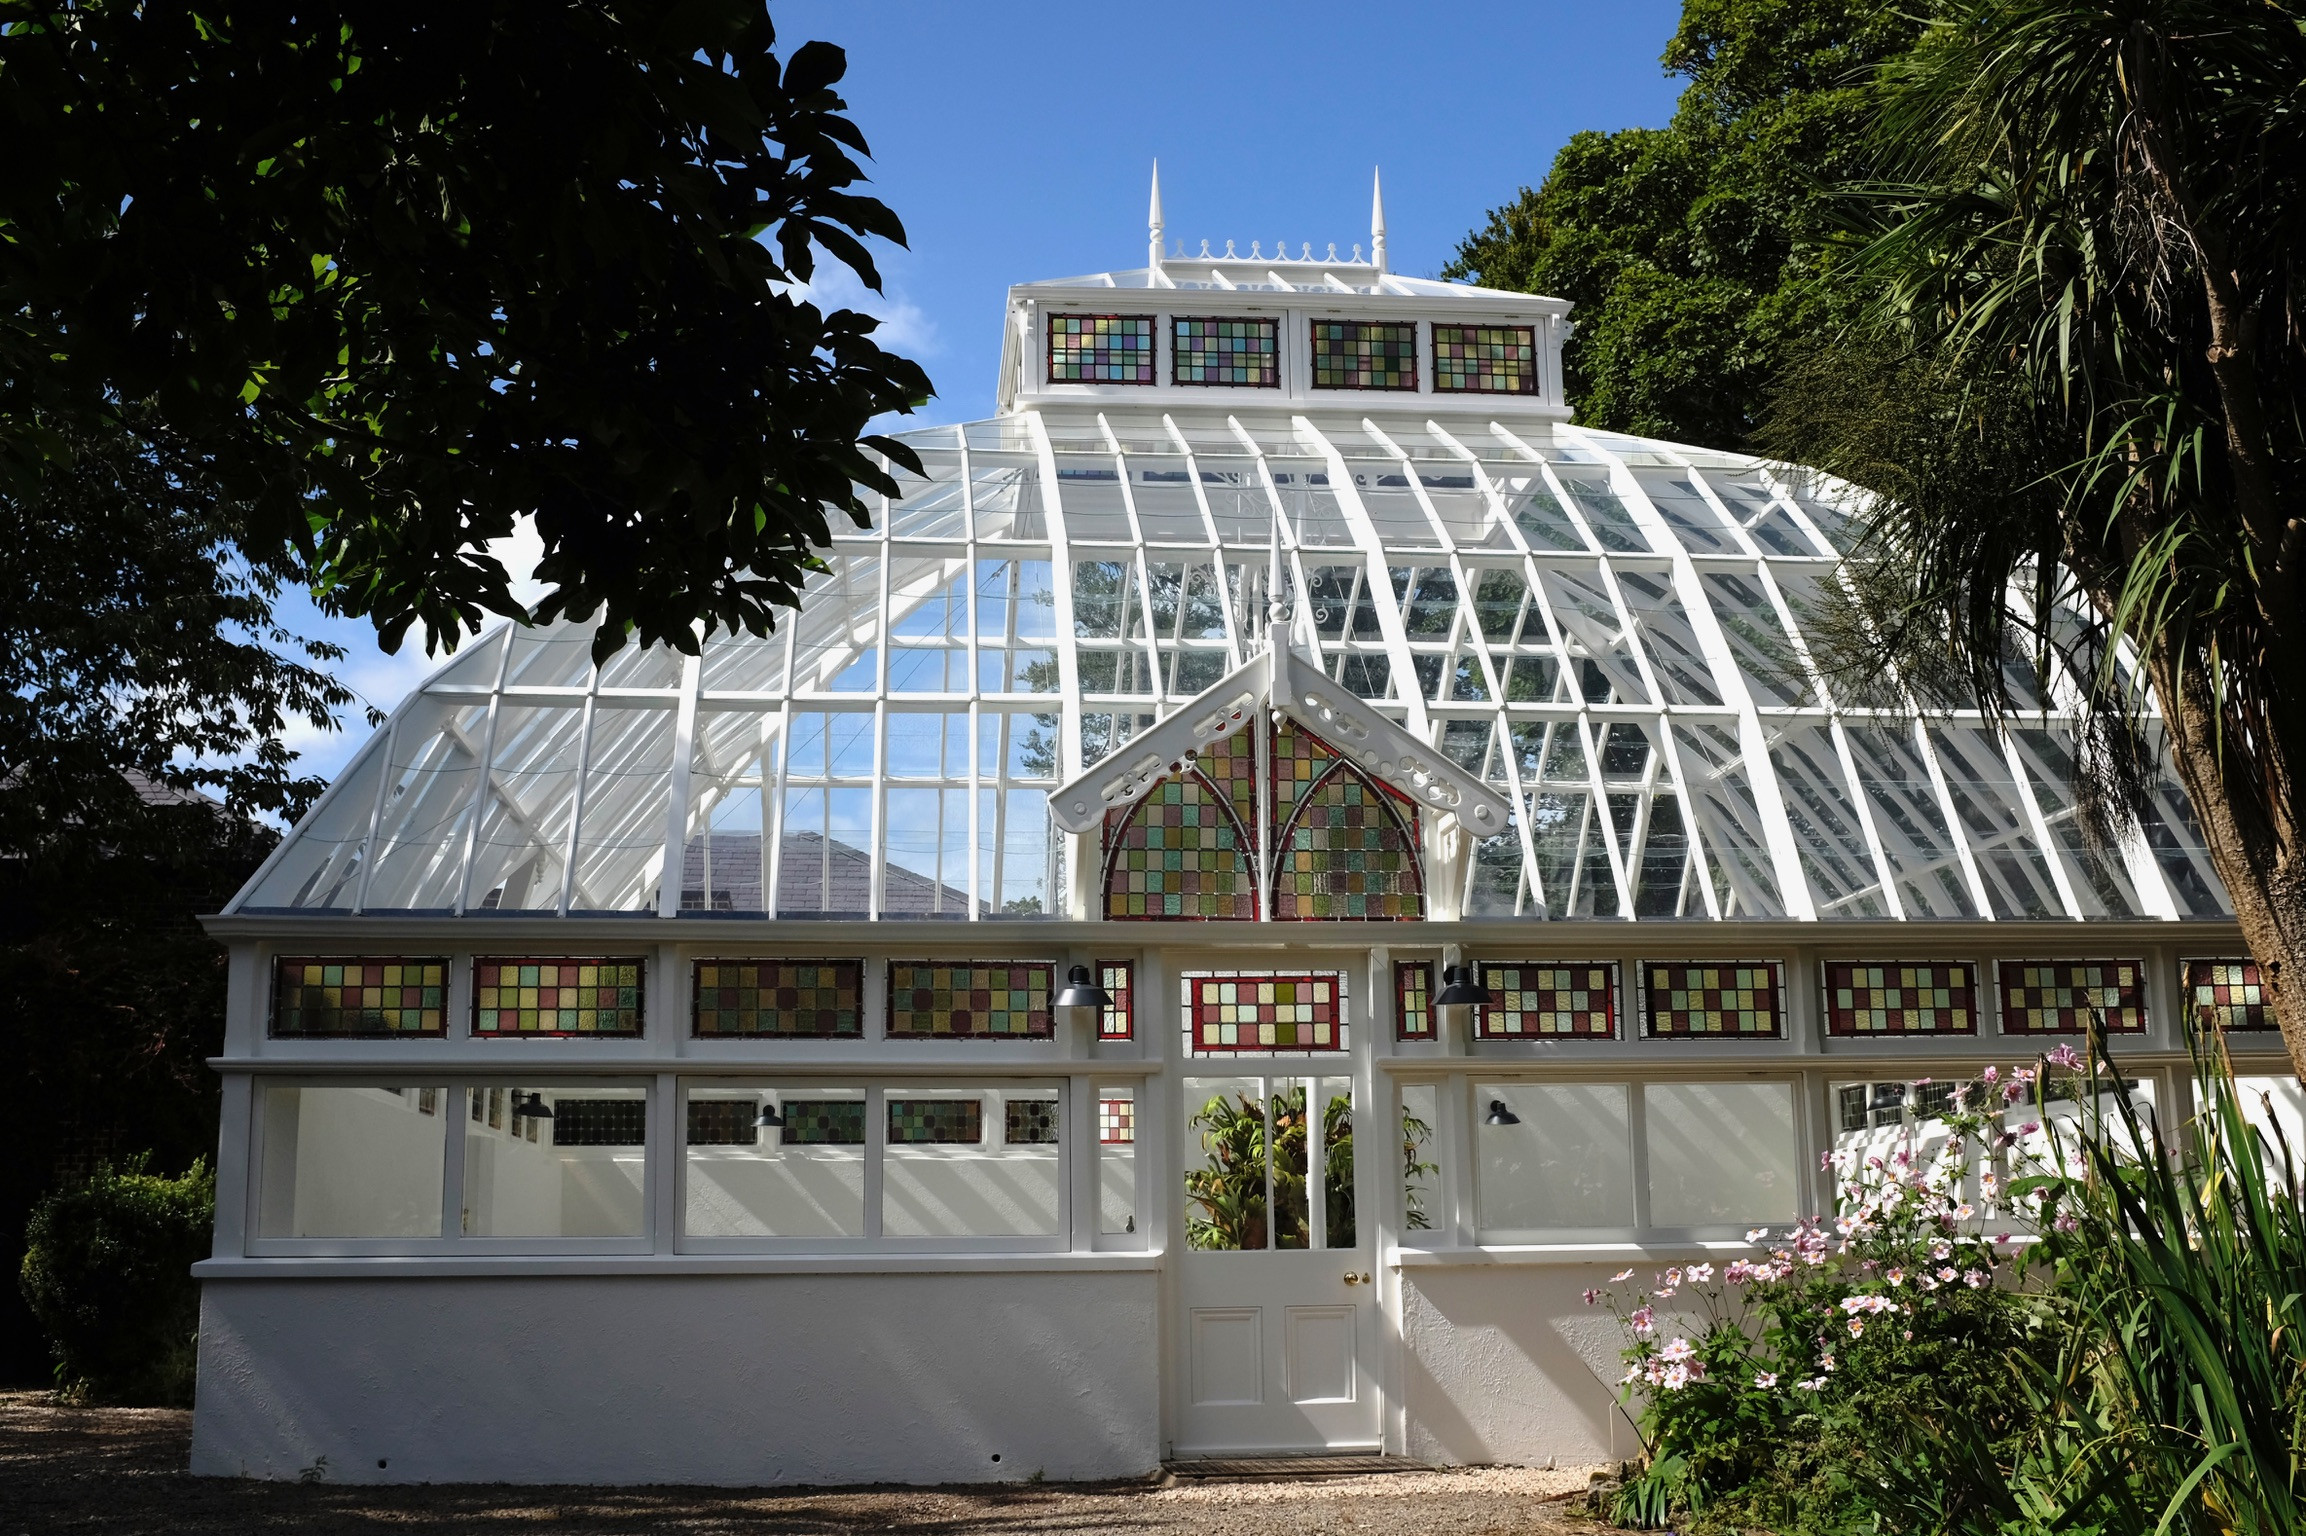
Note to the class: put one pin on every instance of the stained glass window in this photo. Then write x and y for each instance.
(818, 998)
(1932, 998)
(1242, 352)
(953, 998)
(2057, 997)
(1355, 354)
(1100, 349)
(823, 1122)
(1184, 851)
(724, 1123)
(950, 1121)
(1119, 1020)
(1485, 359)
(556, 997)
(1711, 998)
(2227, 994)
(1029, 1122)
(359, 995)
(1267, 1013)
(1530, 999)
(599, 1122)
(1413, 999)
(1347, 851)
(1116, 1121)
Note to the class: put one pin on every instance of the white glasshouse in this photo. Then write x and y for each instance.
(893, 1048)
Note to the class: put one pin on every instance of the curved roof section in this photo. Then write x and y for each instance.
(1612, 634)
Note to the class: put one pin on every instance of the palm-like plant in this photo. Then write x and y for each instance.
(2081, 401)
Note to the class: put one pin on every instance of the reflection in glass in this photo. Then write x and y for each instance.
(775, 1162)
(555, 1162)
(1561, 1156)
(350, 1162)
(1720, 1153)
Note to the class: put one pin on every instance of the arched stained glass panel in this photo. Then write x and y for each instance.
(1181, 853)
(1347, 852)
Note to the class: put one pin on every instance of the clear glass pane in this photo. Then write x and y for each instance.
(1551, 1156)
(1720, 1153)
(972, 1162)
(1339, 1227)
(351, 1162)
(801, 1175)
(1116, 1158)
(1225, 1197)
(1420, 1172)
(562, 1161)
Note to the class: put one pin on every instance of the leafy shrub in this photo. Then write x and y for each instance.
(107, 1271)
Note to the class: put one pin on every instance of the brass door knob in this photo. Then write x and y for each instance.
(1353, 1279)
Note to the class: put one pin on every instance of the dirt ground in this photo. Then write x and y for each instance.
(118, 1471)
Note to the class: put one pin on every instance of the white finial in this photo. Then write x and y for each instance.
(1377, 220)
(1332, 250)
(1205, 248)
(1254, 253)
(1304, 250)
(1153, 219)
(1356, 256)
(1229, 256)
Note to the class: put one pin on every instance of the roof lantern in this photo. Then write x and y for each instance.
(1279, 586)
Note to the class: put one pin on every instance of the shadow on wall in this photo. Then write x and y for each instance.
(1509, 1365)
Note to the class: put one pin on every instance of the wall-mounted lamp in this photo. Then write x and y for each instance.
(1081, 991)
(1499, 1114)
(768, 1117)
(530, 1106)
(1462, 988)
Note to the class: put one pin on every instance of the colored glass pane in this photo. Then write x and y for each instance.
(2057, 997)
(823, 1122)
(724, 1123)
(1413, 999)
(1029, 1122)
(946, 1121)
(1181, 852)
(1531, 999)
(1354, 354)
(1244, 352)
(1117, 1121)
(2227, 994)
(359, 995)
(1707, 998)
(817, 998)
(1932, 998)
(1267, 1013)
(1485, 359)
(1348, 850)
(1100, 349)
(599, 1122)
(1119, 1020)
(556, 997)
(945, 998)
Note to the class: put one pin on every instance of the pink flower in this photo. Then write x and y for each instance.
(1737, 1272)
(2065, 1056)
(2065, 1222)
(1621, 1277)
(1895, 1276)
(1976, 1279)
(1857, 1326)
(1949, 1274)
(1826, 1362)
(1940, 1249)
(1592, 1296)
(1700, 1274)
(1814, 1384)
(1675, 1378)
(1678, 1350)
(1644, 1321)
(1758, 1234)
(2029, 1128)
(1765, 1380)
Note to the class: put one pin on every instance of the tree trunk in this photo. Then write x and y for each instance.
(2252, 830)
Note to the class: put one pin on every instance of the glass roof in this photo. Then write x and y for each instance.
(1608, 630)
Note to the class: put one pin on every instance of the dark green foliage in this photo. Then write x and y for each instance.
(401, 273)
(1694, 252)
(1230, 1189)
(107, 1266)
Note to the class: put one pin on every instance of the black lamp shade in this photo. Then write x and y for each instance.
(768, 1116)
(1462, 988)
(1499, 1114)
(530, 1106)
(1082, 992)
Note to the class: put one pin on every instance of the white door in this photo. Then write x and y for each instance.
(1277, 1335)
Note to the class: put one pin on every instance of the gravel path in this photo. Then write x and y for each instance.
(119, 1472)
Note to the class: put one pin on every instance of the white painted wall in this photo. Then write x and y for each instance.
(728, 1379)
(349, 1162)
(1508, 1364)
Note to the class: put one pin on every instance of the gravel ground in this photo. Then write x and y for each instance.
(118, 1471)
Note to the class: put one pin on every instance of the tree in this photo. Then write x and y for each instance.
(1692, 251)
(2080, 383)
(402, 273)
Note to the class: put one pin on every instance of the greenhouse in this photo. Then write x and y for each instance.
(1277, 719)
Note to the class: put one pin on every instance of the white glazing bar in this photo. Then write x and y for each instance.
(390, 741)
(570, 890)
(773, 816)
(1153, 662)
(877, 852)
(1382, 600)
(2052, 855)
(1761, 775)
(1061, 589)
(480, 783)
(979, 903)
(674, 869)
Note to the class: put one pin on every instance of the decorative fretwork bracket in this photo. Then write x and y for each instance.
(1281, 679)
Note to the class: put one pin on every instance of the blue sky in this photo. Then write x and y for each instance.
(1016, 140)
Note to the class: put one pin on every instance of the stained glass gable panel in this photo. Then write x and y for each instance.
(2227, 994)
(792, 998)
(1267, 1013)
(1917, 998)
(557, 996)
(1244, 352)
(1348, 853)
(1736, 998)
(1100, 349)
(1353, 354)
(359, 995)
(1180, 853)
(1536, 999)
(1485, 359)
(945, 999)
(2059, 997)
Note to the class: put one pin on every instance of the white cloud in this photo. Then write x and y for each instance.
(905, 326)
